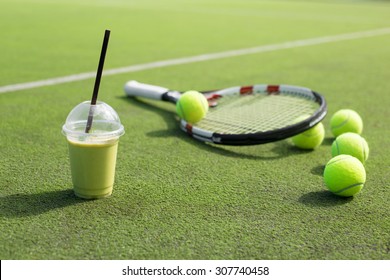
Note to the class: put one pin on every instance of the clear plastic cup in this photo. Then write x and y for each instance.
(93, 155)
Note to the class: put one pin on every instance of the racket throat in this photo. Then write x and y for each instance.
(171, 96)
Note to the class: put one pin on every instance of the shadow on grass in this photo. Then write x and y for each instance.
(270, 151)
(318, 170)
(323, 199)
(328, 141)
(23, 205)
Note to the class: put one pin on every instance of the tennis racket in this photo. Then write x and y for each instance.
(246, 115)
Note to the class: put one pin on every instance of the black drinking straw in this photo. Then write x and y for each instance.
(97, 80)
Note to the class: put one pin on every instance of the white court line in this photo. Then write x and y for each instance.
(197, 58)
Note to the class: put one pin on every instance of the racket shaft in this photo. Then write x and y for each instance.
(134, 88)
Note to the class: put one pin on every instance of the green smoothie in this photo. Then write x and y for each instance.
(93, 167)
(92, 153)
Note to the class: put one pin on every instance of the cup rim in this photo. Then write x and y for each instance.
(72, 134)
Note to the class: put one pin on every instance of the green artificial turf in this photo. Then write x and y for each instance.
(174, 197)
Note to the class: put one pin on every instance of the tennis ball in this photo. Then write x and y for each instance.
(192, 106)
(346, 120)
(344, 175)
(311, 138)
(351, 144)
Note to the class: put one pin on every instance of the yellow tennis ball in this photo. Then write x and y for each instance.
(311, 138)
(351, 144)
(344, 175)
(192, 106)
(346, 120)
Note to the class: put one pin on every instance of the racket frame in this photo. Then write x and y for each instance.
(133, 88)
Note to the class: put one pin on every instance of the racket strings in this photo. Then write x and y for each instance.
(255, 113)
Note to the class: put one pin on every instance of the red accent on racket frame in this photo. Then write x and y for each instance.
(189, 128)
(212, 99)
(246, 90)
(273, 89)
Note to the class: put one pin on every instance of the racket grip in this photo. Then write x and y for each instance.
(134, 88)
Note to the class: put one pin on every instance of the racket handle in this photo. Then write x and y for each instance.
(134, 88)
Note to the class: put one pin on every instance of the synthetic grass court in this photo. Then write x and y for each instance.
(174, 197)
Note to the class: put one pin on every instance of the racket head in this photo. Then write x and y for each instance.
(257, 114)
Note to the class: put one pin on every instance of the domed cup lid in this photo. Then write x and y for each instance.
(106, 124)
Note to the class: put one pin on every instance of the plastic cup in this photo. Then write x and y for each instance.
(93, 155)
